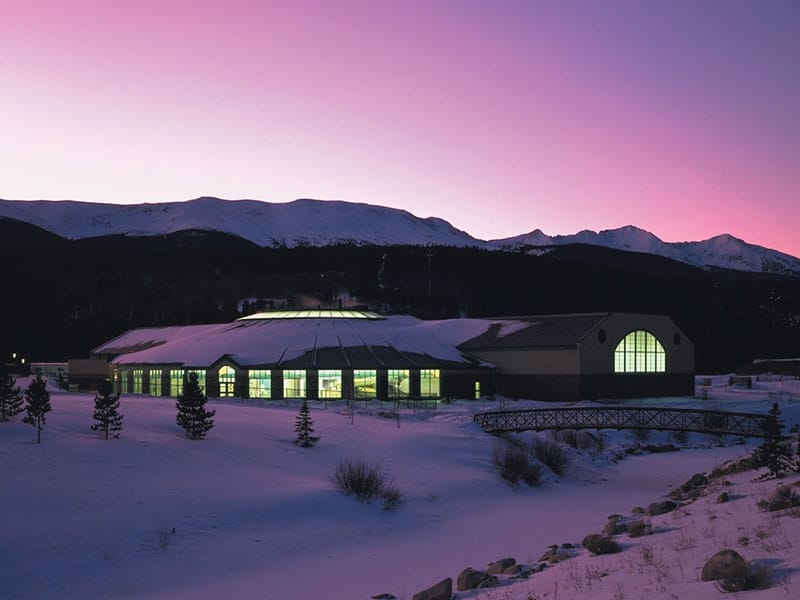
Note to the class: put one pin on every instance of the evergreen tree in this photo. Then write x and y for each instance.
(303, 428)
(10, 398)
(192, 413)
(38, 405)
(106, 410)
(774, 453)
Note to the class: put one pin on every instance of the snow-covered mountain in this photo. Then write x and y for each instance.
(325, 222)
(722, 251)
(302, 222)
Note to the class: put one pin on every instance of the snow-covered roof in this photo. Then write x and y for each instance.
(398, 341)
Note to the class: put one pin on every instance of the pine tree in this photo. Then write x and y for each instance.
(106, 410)
(38, 405)
(303, 428)
(10, 398)
(774, 453)
(192, 414)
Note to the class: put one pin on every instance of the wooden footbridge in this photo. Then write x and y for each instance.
(661, 419)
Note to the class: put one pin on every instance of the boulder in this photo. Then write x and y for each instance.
(383, 597)
(469, 579)
(637, 510)
(501, 565)
(725, 564)
(723, 498)
(512, 570)
(614, 527)
(441, 591)
(559, 556)
(489, 582)
(661, 508)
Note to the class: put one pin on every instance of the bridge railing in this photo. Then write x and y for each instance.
(662, 419)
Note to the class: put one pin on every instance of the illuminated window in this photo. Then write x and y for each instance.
(175, 382)
(123, 382)
(639, 352)
(398, 383)
(429, 382)
(330, 384)
(294, 384)
(138, 375)
(155, 382)
(477, 390)
(260, 383)
(227, 381)
(201, 378)
(365, 384)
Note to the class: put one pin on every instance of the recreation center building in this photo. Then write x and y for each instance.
(355, 354)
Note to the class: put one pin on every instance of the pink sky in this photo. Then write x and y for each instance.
(501, 117)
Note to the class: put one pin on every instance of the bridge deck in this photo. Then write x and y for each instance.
(662, 419)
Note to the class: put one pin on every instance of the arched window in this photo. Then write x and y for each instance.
(639, 352)
(227, 380)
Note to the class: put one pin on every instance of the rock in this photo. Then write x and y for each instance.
(598, 544)
(383, 597)
(639, 528)
(469, 579)
(661, 508)
(725, 564)
(441, 591)
(723, 498)
(559, 556)
(549, 553)
(501, 565)
(637, 510)
(512, 570)
(489, 582)
(567, 545)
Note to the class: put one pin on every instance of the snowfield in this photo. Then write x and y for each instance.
(247, 514)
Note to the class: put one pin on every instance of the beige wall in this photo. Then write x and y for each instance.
(533, 362)
(597, 358)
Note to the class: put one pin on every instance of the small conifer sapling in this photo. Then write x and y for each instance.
(10, 398)
(106, 410)
(38, 405)
(774, 453)
(304, 428)
(192, 413)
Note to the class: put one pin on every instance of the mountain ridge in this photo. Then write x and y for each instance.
(309, 222)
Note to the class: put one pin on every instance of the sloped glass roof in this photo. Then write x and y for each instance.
(313, 314)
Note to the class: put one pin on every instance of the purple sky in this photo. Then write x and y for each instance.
(501, 117)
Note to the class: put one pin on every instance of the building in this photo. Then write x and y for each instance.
(587, 356)
(332, 354)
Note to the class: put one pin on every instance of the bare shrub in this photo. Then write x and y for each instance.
(680, 436)
(580, 440)
(515, 464)
(639, 529)
(551, 454)
(745, 577)
(782, 498)
(599, 544)
(365, 481)
(641, 435)
(740, 465)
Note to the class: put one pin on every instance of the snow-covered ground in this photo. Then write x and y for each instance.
(247, 514)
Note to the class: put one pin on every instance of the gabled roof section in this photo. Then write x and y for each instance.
(540, 331)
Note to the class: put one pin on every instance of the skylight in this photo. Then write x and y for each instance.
(313, 314)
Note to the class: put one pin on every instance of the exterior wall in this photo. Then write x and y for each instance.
(597, 358)
(86, 373)
(635, 385)
(551, 388)
(529, 361)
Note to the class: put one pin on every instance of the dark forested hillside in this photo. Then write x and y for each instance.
(62, 298)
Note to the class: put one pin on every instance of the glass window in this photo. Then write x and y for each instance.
(155, 382)
(294, 384)
(477, 390)
(227, 382)
(429, 382)
(639, 352)
(330, 384)
(259, 383)
(398, 383)
(365, 384)
(138, 375)
(201, 378)
(123, 382)
(175, 382)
